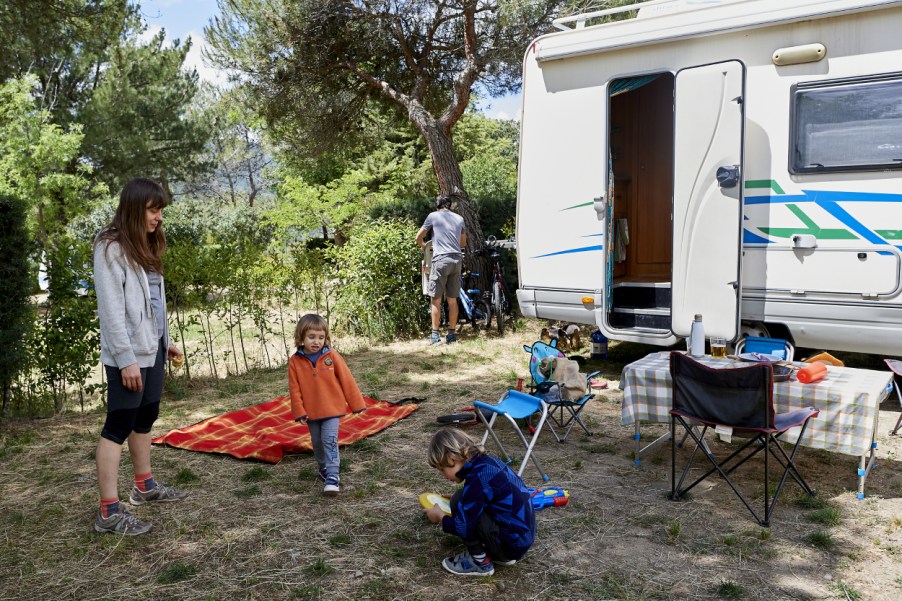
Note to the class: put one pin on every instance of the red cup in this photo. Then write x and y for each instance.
(520, 384)
(813, 372)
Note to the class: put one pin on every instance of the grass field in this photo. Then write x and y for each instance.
(257, 531)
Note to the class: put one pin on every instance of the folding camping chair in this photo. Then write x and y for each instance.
(515, 405)
(562, 412)
(895, 366)
(735, 401)
(766, 346)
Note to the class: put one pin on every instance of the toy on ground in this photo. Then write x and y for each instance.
(553, 496)
(428, 499)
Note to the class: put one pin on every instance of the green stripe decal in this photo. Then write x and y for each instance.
(769, 184)
(585, 204)
(810, 228)
(809, 223)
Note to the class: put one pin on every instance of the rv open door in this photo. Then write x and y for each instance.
(707, 197)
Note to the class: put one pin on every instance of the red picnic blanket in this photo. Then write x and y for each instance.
(267, 431)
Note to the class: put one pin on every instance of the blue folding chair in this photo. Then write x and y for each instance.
(514, 405)
(562, 413)
(766, 346)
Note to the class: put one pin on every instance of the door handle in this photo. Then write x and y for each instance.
(728, 176)
(600, 204)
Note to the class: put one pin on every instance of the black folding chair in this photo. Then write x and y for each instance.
(738, 401)
(896, 367)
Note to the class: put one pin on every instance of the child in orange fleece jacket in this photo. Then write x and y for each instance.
(321, 388)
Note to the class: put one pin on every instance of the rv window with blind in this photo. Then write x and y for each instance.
(846, 125)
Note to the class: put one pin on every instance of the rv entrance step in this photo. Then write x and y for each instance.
(641, 305)
(654, 319)
(642, 294)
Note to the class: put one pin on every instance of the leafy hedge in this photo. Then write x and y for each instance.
(379, 293)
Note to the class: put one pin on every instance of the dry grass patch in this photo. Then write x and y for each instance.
(258, 531)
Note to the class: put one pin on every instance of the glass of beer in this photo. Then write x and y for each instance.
(719, 348)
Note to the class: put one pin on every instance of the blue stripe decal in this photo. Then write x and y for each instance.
(750, 238)
(826, 195)
(571, 251)
(823, 196)
(782, 199)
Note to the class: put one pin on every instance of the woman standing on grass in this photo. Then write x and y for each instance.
(134, 344)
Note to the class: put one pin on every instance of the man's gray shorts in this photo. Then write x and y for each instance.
(444, 277)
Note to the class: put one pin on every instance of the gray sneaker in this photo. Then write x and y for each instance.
(121, 522)
(463, 564)
(161, 493)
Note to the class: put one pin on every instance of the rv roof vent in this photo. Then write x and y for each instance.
(795, 55)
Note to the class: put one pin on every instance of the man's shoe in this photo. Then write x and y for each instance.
(160, 492)
(121, 522)
(463, 564)
(435, 339)
(331, 488)
(508, 562)
(450, 338)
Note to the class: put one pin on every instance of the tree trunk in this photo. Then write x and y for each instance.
(447, 171)
(450, 182)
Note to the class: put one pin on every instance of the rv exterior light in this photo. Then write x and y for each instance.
(795, 55)
(804, 241)
(588, 300)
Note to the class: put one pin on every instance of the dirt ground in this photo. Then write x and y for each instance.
(257, 531)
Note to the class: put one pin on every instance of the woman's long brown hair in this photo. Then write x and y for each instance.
(129, 224)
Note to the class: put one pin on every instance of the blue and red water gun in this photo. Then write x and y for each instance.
(553, 496)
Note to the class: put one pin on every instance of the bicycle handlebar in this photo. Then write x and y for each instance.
(493, 242)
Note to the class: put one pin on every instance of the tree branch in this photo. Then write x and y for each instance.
(464, 80)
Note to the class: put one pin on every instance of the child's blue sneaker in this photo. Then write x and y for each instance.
(463, 564)
(435, 339)
(451, 338)
(332, 486)
(324, 475)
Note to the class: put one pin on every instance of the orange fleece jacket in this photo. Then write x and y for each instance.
(326, 390)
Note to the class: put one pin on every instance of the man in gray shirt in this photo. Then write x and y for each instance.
(448, 238)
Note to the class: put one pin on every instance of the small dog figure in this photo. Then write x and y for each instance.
(567, 336)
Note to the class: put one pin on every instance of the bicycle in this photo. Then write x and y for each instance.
(471, 306)
(499, 297)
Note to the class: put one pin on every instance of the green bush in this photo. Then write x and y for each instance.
(379, 293)
(16, 312)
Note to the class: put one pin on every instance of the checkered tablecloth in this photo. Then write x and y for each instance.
(848, 400)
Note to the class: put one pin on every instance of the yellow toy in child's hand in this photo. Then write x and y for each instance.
(428, 499)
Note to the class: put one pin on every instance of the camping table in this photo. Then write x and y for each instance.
(848, 400)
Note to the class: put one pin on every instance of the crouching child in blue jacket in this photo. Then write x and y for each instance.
(492, 512)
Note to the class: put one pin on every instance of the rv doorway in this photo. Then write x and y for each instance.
(641, 146)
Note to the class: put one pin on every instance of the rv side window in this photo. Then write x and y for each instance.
(847, 125)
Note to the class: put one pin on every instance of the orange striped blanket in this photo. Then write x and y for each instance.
(267, 432)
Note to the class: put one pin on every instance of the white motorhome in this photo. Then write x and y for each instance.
(740, 159)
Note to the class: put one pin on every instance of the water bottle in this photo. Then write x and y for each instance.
(697, 337)
(599, 345)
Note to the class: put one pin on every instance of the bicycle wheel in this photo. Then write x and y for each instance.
(482, 314)
(443, 315)
(498, 301)
(508, 308)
